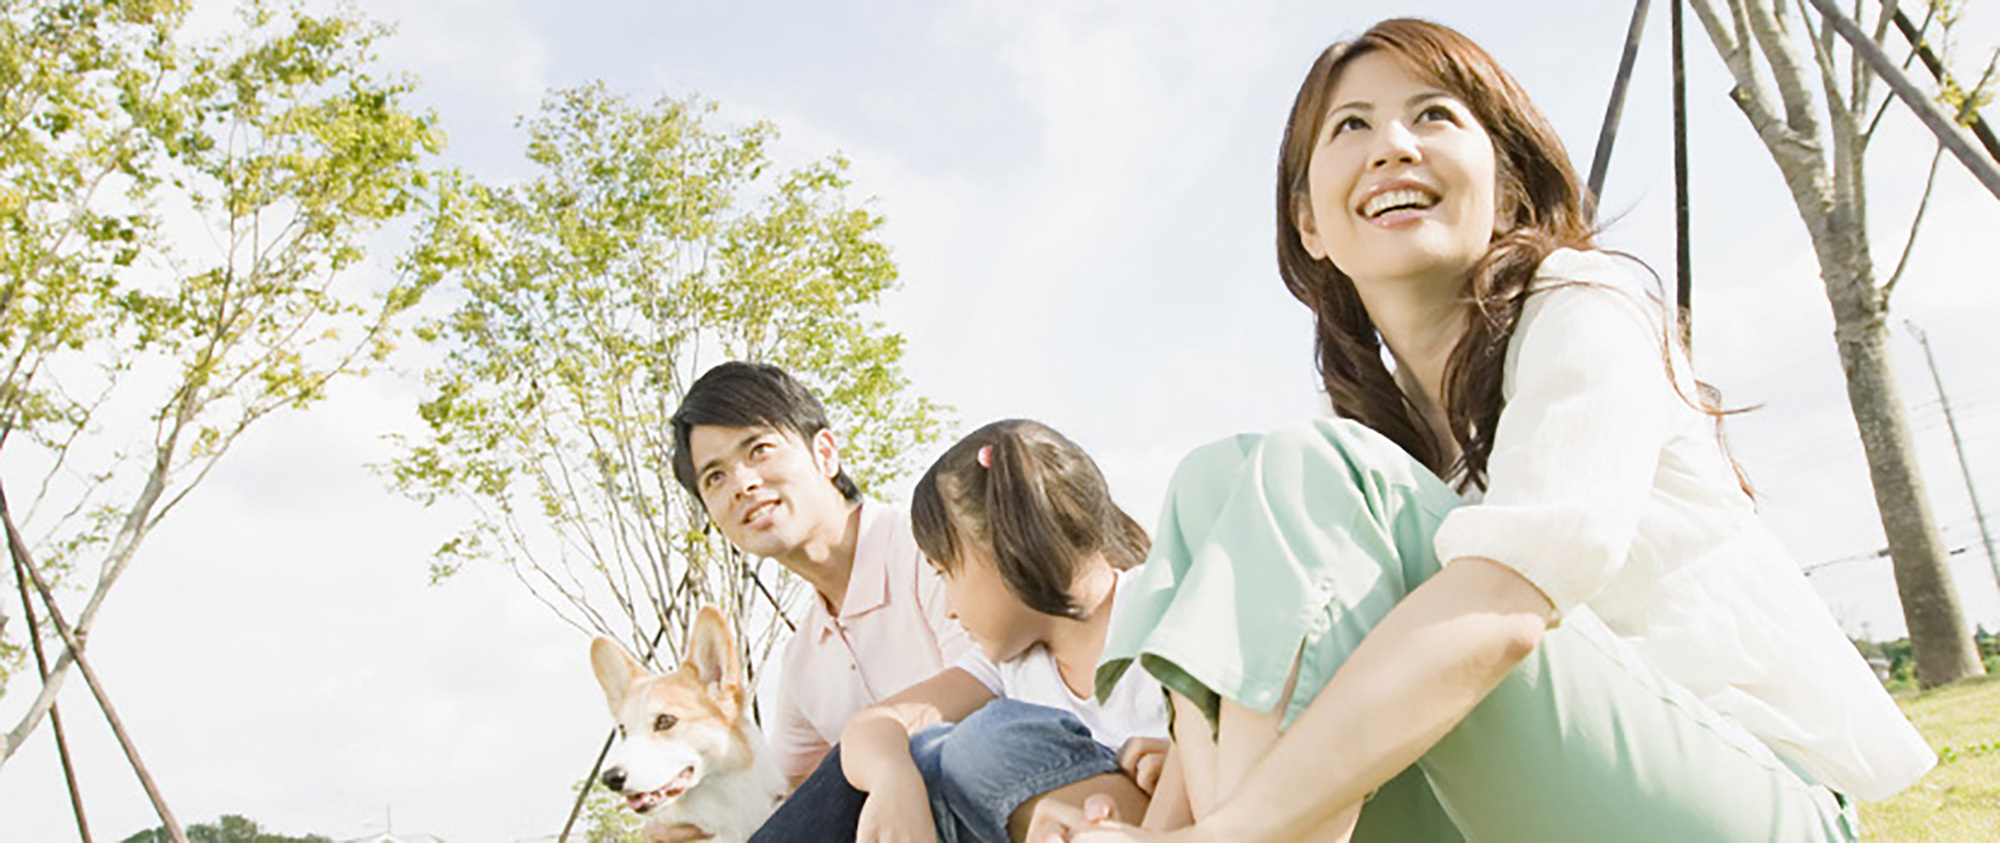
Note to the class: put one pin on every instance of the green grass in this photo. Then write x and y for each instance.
(1960, 799)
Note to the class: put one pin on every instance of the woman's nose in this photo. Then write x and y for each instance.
(1396, 145)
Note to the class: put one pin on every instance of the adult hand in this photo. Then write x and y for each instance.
(1097, 822)
(896, 815)
(1142, 759)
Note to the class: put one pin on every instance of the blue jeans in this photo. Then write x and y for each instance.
(977, 770)
(981, 768)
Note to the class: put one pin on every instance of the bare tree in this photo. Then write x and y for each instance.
(1812, 102)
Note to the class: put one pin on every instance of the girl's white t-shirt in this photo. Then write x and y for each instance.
(1137, 707)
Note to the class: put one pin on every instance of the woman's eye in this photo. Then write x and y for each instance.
(1438, 112)
(1348, 123)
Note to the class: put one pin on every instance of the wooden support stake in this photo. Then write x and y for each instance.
(1947, 132)
(1607, 133)
(22, 559)
(55, 711)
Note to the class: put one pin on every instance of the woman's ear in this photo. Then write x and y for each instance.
(1302, 219)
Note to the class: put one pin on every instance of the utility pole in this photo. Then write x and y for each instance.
(1950, 423)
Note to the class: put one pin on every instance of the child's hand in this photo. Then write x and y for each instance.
(1142, 759)
(896, 815)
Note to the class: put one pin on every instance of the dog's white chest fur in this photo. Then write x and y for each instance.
(729, 805)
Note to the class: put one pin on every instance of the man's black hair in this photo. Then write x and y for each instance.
(739, 394)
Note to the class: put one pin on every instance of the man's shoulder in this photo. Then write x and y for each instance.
(887, 537)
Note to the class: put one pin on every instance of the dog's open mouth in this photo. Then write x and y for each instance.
(643, 802)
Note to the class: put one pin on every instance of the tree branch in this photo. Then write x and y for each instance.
(1750, 94)
(1786, 70)
(1916, 221)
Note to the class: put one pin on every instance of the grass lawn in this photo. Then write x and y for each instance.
(1960, 799)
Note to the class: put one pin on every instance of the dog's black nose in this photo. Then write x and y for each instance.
(614, 779)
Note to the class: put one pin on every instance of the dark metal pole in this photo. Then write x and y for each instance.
(1600, 160)
(21, 558)
(55, 711)
(1980, 129)
(1986, 171)
(1683, 251)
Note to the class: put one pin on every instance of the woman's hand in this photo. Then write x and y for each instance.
(898, 813)
(1142, 759)
(1097, 822)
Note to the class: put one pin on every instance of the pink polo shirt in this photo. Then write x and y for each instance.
(892, 633)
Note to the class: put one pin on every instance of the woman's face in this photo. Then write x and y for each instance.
(1401, 183)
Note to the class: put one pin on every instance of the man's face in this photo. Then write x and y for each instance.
(768, 489)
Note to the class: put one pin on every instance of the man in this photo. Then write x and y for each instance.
(754, 446)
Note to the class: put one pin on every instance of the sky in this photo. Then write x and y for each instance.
(1077, 195)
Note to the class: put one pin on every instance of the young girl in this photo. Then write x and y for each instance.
(1034, 555)
(1598, 641)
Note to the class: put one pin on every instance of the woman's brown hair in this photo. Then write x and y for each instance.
(1036, 500)
(1541, 206)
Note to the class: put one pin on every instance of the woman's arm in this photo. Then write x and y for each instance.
(1422, 669)
(1169, 808)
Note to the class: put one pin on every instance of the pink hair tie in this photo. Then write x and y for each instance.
(986, 456)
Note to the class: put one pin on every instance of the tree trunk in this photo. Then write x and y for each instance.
(1939, 637)
(1938, 634)
(1831, 199)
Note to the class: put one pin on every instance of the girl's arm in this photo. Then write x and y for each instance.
(1422, 669)
(875, 752)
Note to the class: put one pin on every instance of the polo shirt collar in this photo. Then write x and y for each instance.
(868, 581)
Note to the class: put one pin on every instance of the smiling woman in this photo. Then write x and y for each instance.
(1588, 636)
(1392, 221)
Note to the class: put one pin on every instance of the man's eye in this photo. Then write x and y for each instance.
(664, 722)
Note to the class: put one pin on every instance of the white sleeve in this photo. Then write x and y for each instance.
(1590, 406)
(983, 669)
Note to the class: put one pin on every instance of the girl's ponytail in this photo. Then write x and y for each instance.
(1033, 497)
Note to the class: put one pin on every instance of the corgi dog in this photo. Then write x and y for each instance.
(688, 757)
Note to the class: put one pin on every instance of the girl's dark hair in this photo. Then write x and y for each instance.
(1041, 505)
(1541, 207)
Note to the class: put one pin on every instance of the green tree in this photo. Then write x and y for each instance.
(648, 244)
(1815, 106)
(229, 828)
(605, 818)
(184, 222)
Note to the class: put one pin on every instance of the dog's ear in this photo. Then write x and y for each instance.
(616, 671)
(712, 651)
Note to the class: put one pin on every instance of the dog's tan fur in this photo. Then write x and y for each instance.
(689, 757)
